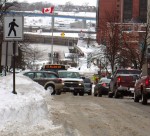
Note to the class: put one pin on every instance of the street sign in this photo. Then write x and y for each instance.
(13, 28)
(62, 34)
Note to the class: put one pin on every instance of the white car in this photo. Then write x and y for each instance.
(72, 82)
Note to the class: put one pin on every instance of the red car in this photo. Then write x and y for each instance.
(122, 83)
(142, 89)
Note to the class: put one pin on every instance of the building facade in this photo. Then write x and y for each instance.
(119, 11)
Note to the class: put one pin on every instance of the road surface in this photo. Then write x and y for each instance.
(99, 116)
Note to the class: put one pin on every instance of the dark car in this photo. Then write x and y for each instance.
(102, 87)
(87, 86)
(49, 80)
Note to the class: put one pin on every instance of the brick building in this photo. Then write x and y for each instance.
(124, 11)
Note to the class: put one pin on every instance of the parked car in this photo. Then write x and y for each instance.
(87, 86)
(102, 87)
(122, 83)
(48, 79)
(72, 82)
(142, 89)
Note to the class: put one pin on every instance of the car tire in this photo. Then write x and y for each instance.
(51, 89)
(99, 95)
(75, 93)
(95, 94)
(136, 98)
(58, 92)
(144, 99)
(116, 95)
(90, 93)
(81, 93)
(110, 95)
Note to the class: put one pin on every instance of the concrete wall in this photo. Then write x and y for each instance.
(57, 40)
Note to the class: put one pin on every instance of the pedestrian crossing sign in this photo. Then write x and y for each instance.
(13, 28)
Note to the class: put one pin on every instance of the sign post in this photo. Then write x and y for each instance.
(13, 31)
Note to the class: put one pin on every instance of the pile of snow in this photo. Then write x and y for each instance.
(27, 109)
(83, 70)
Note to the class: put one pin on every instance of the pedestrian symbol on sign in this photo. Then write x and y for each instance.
(12, 27)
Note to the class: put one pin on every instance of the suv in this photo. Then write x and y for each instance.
(122, 83)
(72, 82)
(50, 80)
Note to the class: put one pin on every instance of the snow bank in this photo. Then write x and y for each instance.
(28, 108)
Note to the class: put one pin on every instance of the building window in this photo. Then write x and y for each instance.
(143, 10)
(127, 11)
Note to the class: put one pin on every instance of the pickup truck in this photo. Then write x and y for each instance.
(122, 83)
(72, 82)
(142, 89)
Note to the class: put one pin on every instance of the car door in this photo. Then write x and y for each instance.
(40, 78)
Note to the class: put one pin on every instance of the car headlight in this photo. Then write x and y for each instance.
(80, 83)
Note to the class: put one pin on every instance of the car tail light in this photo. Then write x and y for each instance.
(104, 84)
(147, 83)
(59, 80)
(119, 79)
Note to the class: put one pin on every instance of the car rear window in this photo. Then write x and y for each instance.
(51, 75)
(69, 74)
(87, 80)
(129, 72)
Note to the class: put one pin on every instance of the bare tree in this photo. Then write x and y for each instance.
(110, 34)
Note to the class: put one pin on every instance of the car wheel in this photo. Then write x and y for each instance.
(116, 95)
(50, 89)
(144, 99)
(99, 95)
(95, 94)
(110, 95)
(81, 93)
(75, 93)
(136, 98)
(58, 92)
(90, 93)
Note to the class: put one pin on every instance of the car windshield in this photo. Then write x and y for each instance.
(68, 74)
(104, 80)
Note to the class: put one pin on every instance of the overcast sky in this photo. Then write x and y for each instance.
(75, 2)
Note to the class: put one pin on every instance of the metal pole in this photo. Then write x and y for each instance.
(6, 58)
(14, 54)
(52, 27)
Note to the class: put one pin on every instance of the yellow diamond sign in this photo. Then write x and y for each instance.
(62, 34)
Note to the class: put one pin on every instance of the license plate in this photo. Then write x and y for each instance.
(71, 88)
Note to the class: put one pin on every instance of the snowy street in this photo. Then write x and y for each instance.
(34, 112)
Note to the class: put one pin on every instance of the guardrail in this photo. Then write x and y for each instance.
(48, 15)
